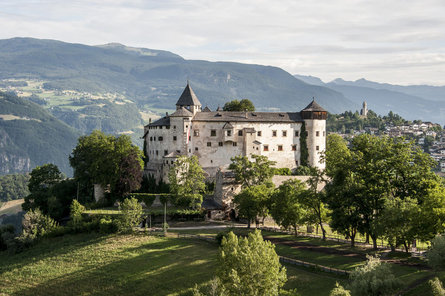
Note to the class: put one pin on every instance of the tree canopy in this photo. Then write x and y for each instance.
(235, 105)
(375, 172)
(107, 160)
(250, 173)
(186, 179)
(250, 266)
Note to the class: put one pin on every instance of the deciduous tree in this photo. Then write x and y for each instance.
(285, 206)
(250, 266)
(251, 173)
(235, 105)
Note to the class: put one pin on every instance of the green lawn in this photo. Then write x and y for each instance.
(90, 264)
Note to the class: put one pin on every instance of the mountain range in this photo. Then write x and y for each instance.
(117, 89)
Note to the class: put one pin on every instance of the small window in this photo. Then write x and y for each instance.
(165, 152)
(174, 138)
(266, 147)
(160, 127)
(234, 144)
(297, 133)
(211, 161)
(160, 138)
(190, 150)
(229, 133)
(294, 147)
(213, 133)
(190, 138)
(274, 133)
(167, 127)
(209, 144)
(171, 162)
(196, 133)
(296, 162)
(196, 148)
(174, 127)
(317, 133)
(220, 144)
(151, 139)
(284, 133)
(258, 133)
(240, 133)
(186, 126)
(280, 147)
(317, 148)
(157, 152)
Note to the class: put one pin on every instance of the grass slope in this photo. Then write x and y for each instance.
(90, 264)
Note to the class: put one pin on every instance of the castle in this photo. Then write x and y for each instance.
(216, 136)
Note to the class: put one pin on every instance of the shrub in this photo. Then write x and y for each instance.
(76, 210)
(437, 287)
(36, 225)
(283, 171)
(131, 214)
(107, 225)
(436, 254)
(339, 291)
(7, 233)
(373, 278)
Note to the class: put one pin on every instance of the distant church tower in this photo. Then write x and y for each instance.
(364, 111)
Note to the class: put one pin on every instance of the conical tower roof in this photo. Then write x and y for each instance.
(313, 106)
(188, 97)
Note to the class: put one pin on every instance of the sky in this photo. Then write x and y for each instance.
(393, 41)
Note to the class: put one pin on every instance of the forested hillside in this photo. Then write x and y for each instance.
(30, 136)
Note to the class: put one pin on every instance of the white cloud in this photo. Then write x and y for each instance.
(394, 41)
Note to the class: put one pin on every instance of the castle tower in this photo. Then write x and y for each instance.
(314, 117)
(189, 100)
(364, 111)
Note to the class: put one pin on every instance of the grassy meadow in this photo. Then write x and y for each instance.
(91, 264)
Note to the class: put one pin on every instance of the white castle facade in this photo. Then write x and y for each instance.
(217, 136)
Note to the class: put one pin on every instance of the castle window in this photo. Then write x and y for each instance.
(280, 147)
(317, 148)
(196, 133)
(229, 133)
(196, 148)
(220, 144)
(234, 144)
(190, 137)
(212, 133)
(266, 147)
(190, 150)
(294, 147)
(211, 161)
(240, 133)
(151, 139)
(160, 138)
(284, 133)
(165, 152)
(258, 133)
(160, 127)
(186, 126)
(157, 152)
(167, 127)
(174, 127)
(317, 133)
(296, 133)
(179, 151)
(209, 144)
(174, 138)
(171, 162)
(274, 133)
